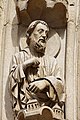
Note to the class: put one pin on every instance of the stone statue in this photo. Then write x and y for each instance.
(33, 75)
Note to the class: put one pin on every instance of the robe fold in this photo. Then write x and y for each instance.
(20, 79)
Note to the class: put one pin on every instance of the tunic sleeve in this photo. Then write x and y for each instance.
(16, 75)
(16, 69)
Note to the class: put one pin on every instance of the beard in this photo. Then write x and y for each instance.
(40, 47)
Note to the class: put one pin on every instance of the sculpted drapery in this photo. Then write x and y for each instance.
(34, 75)
(19, 79)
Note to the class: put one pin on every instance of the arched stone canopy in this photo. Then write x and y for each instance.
(53, 12)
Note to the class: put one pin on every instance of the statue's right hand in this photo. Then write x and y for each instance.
(31, 62)
(35, 62)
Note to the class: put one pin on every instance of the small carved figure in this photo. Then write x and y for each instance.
(34, 75)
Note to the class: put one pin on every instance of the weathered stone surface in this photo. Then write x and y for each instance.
(11, 33)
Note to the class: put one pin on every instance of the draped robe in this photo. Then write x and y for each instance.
(19, 80)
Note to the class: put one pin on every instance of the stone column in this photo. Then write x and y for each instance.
(71, 64)
(1, 52)
(78, 58)
(8, 46)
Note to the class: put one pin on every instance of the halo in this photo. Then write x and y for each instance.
(54, 44)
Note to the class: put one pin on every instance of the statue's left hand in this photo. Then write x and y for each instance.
(38, 85)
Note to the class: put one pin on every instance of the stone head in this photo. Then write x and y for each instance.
(37, 34)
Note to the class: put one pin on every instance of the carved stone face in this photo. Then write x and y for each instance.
(39, 37)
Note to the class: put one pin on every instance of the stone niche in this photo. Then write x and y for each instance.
(55, 14)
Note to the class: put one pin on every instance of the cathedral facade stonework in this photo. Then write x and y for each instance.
(21, 77)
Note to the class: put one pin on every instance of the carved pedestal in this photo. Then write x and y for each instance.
(35, 112)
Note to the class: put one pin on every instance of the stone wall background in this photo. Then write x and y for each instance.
(9, 44)
(8, 47)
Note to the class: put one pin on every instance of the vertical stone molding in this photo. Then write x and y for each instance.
(71, 64)
(1, 51)
(78, 57)
(8, 45)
